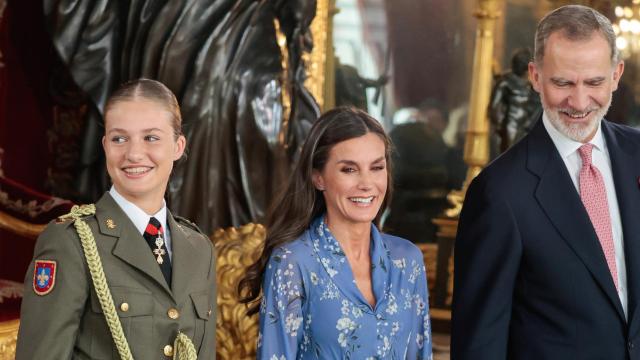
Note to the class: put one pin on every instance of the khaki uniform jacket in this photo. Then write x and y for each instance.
(68, 323)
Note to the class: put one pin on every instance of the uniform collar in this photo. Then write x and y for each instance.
(138, 217)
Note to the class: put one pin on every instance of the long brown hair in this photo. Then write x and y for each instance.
(300, 202)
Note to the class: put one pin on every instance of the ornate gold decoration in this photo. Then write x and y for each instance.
(10, 290)
(476, 146)
(236, 333)
(8, 339)
(317, 69)
(110, 224)
(455, 198)
(20, 227)
(29, 208)
(281, 39)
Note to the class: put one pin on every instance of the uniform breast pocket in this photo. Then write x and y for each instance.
(135, 310)
(203, 312)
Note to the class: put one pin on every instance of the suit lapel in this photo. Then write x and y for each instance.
(559, 199)
(625, 166)
(130, 246)
(184, 253)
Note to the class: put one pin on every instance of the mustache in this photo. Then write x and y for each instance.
(575, 112)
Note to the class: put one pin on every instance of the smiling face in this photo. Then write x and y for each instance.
(354, 180)
(575, 80)
(140, 148)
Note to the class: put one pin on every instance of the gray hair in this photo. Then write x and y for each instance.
(577, 23)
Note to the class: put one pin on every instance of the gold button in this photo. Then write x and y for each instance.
(168, 350)
(124, 307)
(173, 313)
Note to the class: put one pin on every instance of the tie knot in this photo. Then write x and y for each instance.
(154, 226)
(585, 153)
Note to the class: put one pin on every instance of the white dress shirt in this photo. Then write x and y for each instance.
(568, 150)
(141, 219)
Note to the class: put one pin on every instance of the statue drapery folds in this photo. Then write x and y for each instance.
(244, 105)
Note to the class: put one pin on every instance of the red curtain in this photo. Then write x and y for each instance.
(25, 104)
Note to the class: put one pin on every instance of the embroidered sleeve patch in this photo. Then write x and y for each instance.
(44, 276)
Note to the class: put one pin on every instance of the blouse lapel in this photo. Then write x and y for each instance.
(380, 267)
(335, 263)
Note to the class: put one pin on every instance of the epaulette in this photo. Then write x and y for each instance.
(60, 220)
(187, 223)
(77, 212)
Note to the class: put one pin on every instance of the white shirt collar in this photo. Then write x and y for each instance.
(567, 146)
(139, 218)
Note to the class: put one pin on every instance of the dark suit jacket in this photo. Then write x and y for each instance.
(68, 322)
(531, 279)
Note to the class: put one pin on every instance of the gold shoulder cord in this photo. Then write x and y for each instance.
(183, 347)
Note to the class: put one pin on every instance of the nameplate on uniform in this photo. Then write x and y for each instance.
(44, 276)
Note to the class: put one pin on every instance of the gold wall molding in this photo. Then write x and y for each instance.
(476, 152)
(319, 70)
(476, 146)
(8, 339)
(281, 40)
(31, 208)
(20, 227)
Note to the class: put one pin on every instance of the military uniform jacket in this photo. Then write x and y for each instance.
(68, 323)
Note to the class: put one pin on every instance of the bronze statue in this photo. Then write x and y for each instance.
(105, 43)
(351, 87)
(242, 140)
(244, 104)
(514, 105)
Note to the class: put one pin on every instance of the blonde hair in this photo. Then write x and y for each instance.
(151, 90)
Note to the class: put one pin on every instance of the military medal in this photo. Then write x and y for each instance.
(159, 251)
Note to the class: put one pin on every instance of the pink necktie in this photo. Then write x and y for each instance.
(594, 197)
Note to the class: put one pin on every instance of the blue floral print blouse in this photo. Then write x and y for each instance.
(313, 309)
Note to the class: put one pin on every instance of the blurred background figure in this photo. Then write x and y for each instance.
(421, 173)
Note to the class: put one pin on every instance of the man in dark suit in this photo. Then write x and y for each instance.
(547, 258)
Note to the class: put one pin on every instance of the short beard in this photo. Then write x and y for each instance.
(576, 131)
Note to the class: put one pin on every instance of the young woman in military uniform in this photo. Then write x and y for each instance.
(124, 278)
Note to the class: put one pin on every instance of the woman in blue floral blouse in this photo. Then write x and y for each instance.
(328, 284)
